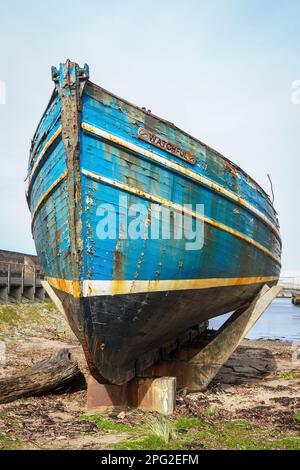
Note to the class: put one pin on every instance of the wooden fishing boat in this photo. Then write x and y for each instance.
(94, 156)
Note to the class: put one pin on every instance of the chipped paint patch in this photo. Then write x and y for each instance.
(48, 144)
(181, 209)
(47, 194)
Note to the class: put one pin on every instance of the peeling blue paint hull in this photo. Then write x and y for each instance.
(127, 298)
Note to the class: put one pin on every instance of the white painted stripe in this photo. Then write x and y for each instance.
(179, 168)
(90, 288)
(180, 208)
(100, 288)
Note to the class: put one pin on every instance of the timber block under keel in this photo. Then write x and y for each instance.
(153, 394)
(105, 396)
(148, 394)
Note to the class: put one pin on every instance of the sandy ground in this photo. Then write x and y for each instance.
(260, 383)
(253, 385)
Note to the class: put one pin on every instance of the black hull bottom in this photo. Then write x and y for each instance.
(123, 334)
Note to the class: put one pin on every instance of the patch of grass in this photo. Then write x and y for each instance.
(239, 425)
(297, 416)
(35, 313)
(7, 443)
(289, 374)
(161, 427)
(18, 315)
(41, 319)
(48, 305)
(105, 424)
(246, 436)
(150, 442)
(9, 419)
(236, 443)
(187, 423)
(285, 443)
(211, 411)
(220, 434)
(4, 417)
(9, 315)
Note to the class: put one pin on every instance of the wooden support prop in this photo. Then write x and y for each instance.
(57, 302)
(49, 374)
(101, 397)
(194, 368)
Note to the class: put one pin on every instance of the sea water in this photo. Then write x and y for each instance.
(280, 321)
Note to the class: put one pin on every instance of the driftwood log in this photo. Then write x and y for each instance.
(50, 374)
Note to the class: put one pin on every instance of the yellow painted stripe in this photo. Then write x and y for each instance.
(181, 169)
(43, 151)
(47, 193)
(90, 288)
(177, 207)
(70, 287)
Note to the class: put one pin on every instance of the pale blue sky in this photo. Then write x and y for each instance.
(220, 69)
